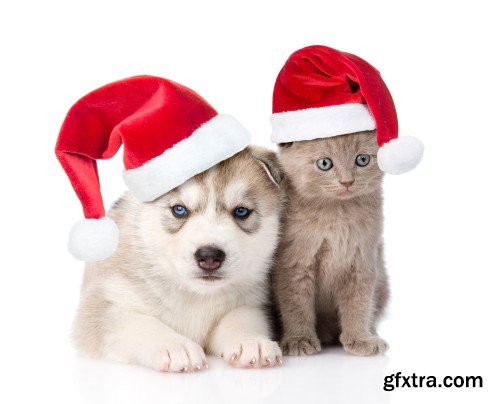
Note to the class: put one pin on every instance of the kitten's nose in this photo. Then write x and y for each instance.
(209, 258)
(347, 184)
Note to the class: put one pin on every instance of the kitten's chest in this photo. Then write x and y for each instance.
(347, 233)
(341, 239)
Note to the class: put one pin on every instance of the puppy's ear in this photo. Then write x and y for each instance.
(269, 161)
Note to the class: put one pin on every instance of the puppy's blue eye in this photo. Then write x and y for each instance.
(242, 213)
(179, 210)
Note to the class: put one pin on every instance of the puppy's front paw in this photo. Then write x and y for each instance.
(253, 353)
(371, 345)
(185, 356)
(294, 346)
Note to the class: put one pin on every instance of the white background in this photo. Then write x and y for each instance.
(441, 62)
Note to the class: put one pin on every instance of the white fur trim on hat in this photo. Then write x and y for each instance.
(93, 239)
(214, 141)
(315, 123)
(400, 155)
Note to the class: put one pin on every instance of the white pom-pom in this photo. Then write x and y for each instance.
(93, 239)
(400, 155)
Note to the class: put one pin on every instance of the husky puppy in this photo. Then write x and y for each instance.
(190, 276)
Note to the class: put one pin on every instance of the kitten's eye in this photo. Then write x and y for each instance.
(362, 160)
(241, 212)
(324, 164)
(179, 211)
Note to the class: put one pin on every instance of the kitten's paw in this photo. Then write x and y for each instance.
(300, 345)
(185, 356)
(253, 353)
(366, 346)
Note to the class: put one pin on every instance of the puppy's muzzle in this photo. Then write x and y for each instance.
(209, 258)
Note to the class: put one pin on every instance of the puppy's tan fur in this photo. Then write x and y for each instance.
(147, 304)
(330, 281)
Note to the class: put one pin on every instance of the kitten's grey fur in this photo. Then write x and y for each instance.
(330, 282)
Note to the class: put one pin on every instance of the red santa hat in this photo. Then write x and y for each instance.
(321, 92)
(169, 134)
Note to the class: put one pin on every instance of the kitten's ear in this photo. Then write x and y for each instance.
(269, 161)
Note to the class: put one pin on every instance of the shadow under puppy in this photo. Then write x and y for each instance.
(337, 128)
(180, 266)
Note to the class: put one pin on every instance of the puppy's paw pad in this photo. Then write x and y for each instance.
(254, 353)
(372, 345)
(300, 346)
(182, 357)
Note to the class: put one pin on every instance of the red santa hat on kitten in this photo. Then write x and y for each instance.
(169, 134)
(321, 92)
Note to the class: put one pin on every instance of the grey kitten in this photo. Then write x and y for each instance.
(330, 282)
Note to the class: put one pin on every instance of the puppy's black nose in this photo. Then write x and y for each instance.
(209, 258)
